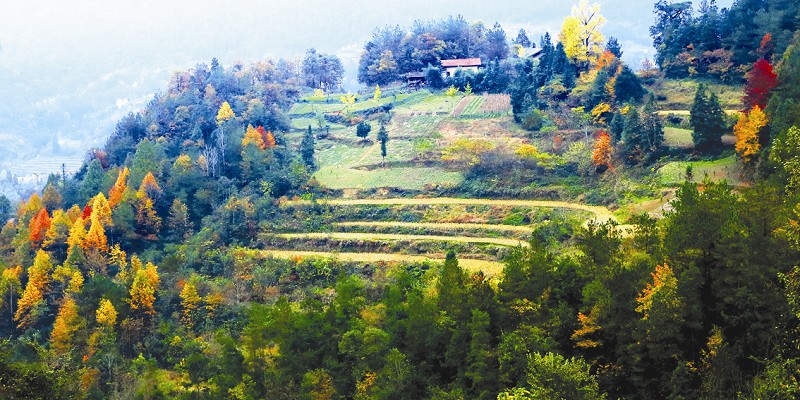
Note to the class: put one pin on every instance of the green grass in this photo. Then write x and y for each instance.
(410, 178)
(677, 137)
(674, 173)
(679, 93)
(303, 123)
(431, 103)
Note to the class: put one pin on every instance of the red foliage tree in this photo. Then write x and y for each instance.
(760, 82)
(87, 212)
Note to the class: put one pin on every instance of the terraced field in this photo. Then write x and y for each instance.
(372, 230)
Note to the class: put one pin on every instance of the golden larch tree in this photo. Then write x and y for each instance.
(143, 290)
(150, 186)
(748, 131)
(32, 304)
(96, 237)
(67, 323)
(190, 302)
(77, 234)
(101, 210)
(225, 113)
(106, 314)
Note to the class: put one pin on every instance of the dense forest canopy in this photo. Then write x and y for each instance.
(199, 253)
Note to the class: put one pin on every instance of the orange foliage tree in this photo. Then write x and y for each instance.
(601, 156)
(117, 191)
(38, 226)
(96, 237)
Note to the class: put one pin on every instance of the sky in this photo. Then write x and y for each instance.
(70, 69)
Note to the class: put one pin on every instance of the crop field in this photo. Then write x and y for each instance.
(496, 104)
(726, 169)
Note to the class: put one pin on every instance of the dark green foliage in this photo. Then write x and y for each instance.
(307, 148)
(617, 125)
(363, 129)
(627, 88)
(522, 39)
(433, 77)
(612, 45)
(92, 180)
(708, 121)
(642, 135)
(322, 70)
(383, 137)
(5, 208)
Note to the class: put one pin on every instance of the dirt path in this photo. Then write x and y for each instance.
(394, 236)
(437, 225)
(601, 214)
(490, 268)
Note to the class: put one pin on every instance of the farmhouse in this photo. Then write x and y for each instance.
(415, 80)
(449, 67)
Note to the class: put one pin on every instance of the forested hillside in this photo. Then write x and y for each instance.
(555, 224)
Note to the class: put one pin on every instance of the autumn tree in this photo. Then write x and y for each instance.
(32, 305)
(749, 133)
(96, 237)
(253, 137)
(117, 191)
(51, 198)
(143, 290)
(190, 303)
(224, 115)
(148, 223)
(150, 186)
(38, 226)
(761, 80)
(580, 33)
(66, 325)
(106, 314)
(101, 210)
(56, 235)
(601, 156)
(77, 234)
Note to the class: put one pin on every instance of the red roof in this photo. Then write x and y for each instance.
(462, 62)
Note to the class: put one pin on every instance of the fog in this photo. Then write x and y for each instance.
(69, 70)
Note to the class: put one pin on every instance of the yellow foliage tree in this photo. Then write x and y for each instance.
(225, 113)
(96, 237)
(143, 289)
(467, 151)
(59, 229)
(27, 210)
(117, 191)
(101, 210)
(106, 314)
(67, 323)
(190, 301)
(377, 95)
(747, 132)
(31, 305)
(662, 294)
(77, 234)
(580, 33)
(182, 165)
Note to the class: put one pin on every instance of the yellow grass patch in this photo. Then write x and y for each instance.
(393, 236)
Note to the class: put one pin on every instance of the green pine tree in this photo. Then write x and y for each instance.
(307, 148)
